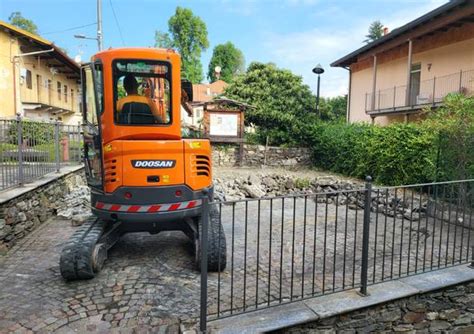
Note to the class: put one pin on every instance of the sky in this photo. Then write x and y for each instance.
(293, 34)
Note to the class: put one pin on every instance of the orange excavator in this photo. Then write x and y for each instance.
(143, 176)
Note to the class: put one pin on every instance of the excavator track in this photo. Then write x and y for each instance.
(82, 257)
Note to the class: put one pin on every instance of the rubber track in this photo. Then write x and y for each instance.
(75, 262)
(216, 243)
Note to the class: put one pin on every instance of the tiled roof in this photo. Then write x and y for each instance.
(42, 43)
(206, 92)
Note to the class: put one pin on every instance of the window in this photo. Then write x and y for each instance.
(91, 130)
(99, 86)
(142, 92)
(65, 93)
(29, 83)
(59, 90)
(72, 96)
(89, 97)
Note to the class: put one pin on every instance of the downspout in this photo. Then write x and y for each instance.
(13, 76)
(348, 107)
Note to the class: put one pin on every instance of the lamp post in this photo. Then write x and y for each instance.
(318, 70)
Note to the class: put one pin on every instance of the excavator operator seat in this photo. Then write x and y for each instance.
(136, 113)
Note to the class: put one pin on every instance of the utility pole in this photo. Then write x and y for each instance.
(99, 24)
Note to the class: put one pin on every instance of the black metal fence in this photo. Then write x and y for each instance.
(30, 150)
(427, 92)
(284, 249)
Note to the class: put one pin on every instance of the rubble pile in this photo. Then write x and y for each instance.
(323, 189)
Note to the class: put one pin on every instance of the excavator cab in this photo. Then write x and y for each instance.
(143, 176)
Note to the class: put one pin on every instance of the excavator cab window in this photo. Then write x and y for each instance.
(92, 104)
(142, 92)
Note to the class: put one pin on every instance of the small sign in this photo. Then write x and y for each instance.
(224, 124)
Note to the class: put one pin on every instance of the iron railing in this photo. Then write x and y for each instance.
(30, 150)
(285, 249)
(427, 92)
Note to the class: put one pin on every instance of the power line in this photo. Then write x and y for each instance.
(117, 23)
(69, 29)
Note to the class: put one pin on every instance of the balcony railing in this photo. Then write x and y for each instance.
(51, 96)
(427, 92)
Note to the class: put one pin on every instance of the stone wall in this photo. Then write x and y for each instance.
(24, 213)
(258, 155)
(450, 310)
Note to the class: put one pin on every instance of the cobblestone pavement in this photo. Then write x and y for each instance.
(149, 283)
(275, 257)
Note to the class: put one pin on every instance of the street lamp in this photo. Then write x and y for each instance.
(85, 37)
(99, 27)
(318, 70)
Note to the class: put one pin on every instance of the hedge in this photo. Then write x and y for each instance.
(397, 154)
(440, 148)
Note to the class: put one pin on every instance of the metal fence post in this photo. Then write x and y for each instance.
(472, 257)
(394, 96)
(56, 146)
(203, 247)
(19, 131)
(365, 236)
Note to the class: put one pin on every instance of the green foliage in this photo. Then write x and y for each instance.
(4, 147)
(454, 125)
(163, 40)
(333, 109)
(18, 20)
(395, 154)
(33, 133)
(187, 34)
(49, 149)
(438, 149)
(302, 183)
(280, 99)
(229, 58)
(375, 32)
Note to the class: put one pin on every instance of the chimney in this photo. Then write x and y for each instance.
(385, 31)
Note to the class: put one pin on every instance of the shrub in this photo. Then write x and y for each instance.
(438, 149)
(396, 154)
(34, 133)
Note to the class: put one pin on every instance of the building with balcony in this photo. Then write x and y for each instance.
(37, 79)
(413, 67)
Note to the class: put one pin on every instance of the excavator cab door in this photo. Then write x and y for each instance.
(92, 106)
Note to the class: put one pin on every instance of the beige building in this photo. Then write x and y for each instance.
(414, 66)
(37, 79)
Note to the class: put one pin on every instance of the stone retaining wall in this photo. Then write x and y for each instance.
(258, 155)
(24, 213)
(450, 310)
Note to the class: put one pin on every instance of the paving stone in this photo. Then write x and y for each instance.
(147, 277)
(439, 325)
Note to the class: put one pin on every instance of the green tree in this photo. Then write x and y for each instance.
(188, 35)
(333, 108)
(18, 20)
(229, 58)
(280, 99)
(163, 40)
(375, 32)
